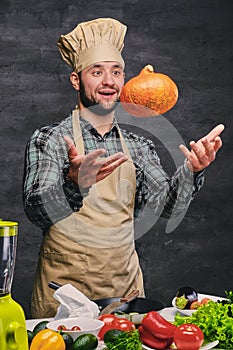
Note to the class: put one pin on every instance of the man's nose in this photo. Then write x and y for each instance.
(108, 78)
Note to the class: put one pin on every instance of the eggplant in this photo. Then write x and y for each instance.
(185, 296)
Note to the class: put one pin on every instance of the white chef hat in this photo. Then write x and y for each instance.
(101, 39)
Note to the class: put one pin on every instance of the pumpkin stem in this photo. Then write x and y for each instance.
(149, 68)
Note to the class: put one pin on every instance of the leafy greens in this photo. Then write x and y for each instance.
(126, 341)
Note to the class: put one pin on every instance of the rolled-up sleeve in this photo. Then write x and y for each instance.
(164, 194)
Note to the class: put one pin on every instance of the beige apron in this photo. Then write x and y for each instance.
(92, 249)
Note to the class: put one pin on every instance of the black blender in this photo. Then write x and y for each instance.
(13, 332)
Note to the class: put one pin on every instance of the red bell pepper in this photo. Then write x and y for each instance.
(150, 340)
(158, 326)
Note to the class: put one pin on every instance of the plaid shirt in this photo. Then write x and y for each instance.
(50, 196)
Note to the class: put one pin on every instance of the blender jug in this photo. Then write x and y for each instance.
(13, 332)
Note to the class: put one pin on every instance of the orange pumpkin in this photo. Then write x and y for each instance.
(149, 93)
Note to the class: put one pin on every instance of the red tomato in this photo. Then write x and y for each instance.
(188, 337)
(107, 319)
(103, 330)
(123, 325)
(113, 322)
(195, 305)
(75, 328)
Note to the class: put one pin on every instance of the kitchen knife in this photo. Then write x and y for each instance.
(116, 304)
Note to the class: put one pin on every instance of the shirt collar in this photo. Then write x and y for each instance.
(90, 128)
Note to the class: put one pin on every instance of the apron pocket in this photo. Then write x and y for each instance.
(64, 268)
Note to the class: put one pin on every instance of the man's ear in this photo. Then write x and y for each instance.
(74, 79)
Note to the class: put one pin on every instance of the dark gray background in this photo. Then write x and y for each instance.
(191, 41)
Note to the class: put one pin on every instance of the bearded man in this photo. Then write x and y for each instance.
(86, 178)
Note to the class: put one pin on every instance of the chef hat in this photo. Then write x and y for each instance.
(101, 39)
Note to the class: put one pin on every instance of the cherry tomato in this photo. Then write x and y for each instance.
(195, 305)
(188, 337)
(75, 328)
(61, 327)
(205, 300)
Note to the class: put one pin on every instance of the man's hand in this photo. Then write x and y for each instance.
(86, 170)
(203, 152)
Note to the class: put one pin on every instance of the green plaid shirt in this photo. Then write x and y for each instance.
(50, 196)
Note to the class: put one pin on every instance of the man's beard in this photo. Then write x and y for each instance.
(94, 106)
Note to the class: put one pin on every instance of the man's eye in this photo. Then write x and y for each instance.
(96, 73)
(116, 72)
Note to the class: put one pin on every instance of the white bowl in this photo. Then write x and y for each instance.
(188, 312)
(87, 325)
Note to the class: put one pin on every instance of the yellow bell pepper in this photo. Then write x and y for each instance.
(48, 339)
